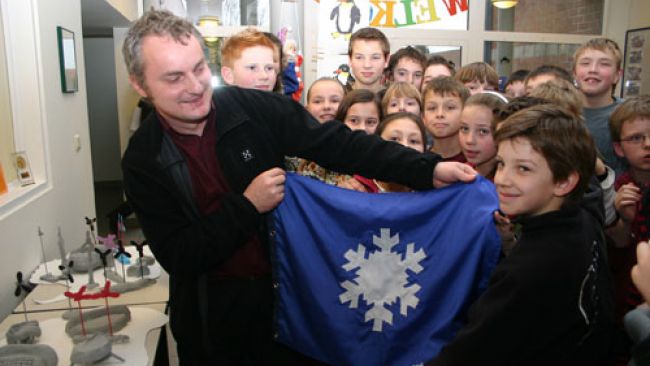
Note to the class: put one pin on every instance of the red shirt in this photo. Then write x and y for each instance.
(458, 157)
(209, 185)
(621, 260)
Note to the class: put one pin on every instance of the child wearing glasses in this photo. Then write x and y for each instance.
(630, 130)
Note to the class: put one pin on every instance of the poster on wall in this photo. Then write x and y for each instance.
(636, 72)
(338, 19)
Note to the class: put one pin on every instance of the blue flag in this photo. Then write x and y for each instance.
(379, 279)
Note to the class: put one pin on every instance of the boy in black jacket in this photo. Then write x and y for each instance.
(549, 302)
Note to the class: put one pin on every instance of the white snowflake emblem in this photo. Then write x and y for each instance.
(382, 278)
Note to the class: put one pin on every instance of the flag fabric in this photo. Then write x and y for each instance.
(379, 279)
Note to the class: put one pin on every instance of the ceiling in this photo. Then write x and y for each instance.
(98, 18)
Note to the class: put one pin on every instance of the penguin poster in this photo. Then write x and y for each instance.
(346, 15)
(337, 20)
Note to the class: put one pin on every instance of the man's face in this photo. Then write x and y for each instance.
(367, 62)
(596, 72)
(254, 69)
(408, 70)
(176, 79)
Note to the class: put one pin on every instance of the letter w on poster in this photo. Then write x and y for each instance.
(379, 279)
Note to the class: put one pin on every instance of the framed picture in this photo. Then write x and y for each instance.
(23, 170)
(636, 69)
(67, 60)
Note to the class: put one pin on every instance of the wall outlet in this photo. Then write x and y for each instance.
(76, 142)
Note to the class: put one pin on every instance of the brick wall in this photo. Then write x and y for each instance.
(559, 16)
(550, 16)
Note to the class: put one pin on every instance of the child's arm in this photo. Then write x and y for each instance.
(606, 178)
(641, 271)
(353, 184)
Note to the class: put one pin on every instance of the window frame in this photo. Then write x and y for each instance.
(23, 59)
(472, 41)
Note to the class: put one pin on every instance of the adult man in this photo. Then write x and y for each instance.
(201, 172)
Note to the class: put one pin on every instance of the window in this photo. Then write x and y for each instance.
(559, 23)
(507, 57)
(20, 88)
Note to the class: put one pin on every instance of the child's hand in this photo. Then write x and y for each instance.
(352, 184)
(641, 271)
(626, 200)
(504, 226)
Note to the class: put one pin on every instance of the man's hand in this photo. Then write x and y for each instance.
(641, 271)
(448, 172)
(266, 191)
(626, 200)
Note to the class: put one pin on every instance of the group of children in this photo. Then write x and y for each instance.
(570, 163)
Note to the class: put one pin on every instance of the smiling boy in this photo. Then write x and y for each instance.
(249, 60)
(549, 301)
(597, 70)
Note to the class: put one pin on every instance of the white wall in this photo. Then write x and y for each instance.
(102, 108)
(127, 98)
(69, 195)
(639, 14)
(6, 120)
(128, 8)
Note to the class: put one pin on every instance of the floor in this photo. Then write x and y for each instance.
(109, 196)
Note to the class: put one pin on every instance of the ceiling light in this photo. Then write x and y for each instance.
(208, 26)
(504, 4)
